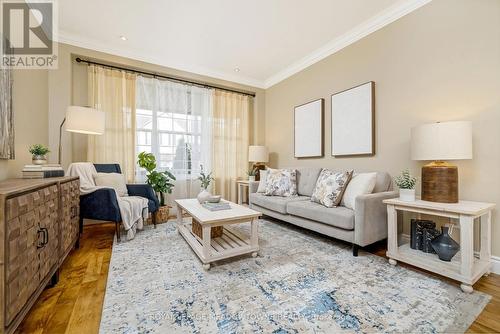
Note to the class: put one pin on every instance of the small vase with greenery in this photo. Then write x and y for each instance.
(160, 181)
(205, 180)
(251, 174)
(39, 154)
(406, 183)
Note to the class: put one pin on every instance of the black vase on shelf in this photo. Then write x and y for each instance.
(444, 245)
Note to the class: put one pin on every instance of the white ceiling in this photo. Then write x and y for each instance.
(268, 40)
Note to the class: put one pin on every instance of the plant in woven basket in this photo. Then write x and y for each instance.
(160, 181)
(406, 180)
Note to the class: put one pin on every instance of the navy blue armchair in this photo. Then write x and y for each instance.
(102, 204)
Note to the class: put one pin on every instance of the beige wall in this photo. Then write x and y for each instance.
(439, 63)
(68, 85)
(30, 105)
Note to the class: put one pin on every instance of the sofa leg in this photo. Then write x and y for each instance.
(355, 249)
(153, 217)
(117, 230)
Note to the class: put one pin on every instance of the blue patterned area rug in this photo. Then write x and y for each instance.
(300, 283)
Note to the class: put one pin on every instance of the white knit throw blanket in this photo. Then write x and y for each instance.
(133, 209)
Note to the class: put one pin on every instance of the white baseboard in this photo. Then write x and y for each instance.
(495, 267)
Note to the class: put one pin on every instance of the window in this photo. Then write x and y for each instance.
(169, 119)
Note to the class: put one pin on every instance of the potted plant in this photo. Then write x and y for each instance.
(39, 154)
(205, 180)
(406, 183)
(251, 174)
(160, 181)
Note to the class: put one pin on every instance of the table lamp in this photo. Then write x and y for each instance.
(258, 155)
(439, 142)
(82, 120)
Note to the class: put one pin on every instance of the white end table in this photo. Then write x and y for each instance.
(464, 267)
(242, 184)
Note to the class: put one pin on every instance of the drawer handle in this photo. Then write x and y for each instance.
(45, 237)
(40, 244)
(73, 212)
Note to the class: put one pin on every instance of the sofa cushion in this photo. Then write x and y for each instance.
(275, 203)
(383, 182)
(340, 216)
(330, 187)
(281, 182)
(306, 180)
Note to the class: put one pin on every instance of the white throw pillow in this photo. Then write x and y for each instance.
(112, 180)
(360, 184)
(281, 182)
(262, 182)
(330, 187)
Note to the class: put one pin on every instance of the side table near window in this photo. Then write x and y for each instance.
(242, 184)
(464, 267)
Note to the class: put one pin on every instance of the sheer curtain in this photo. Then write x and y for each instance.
(174, 123)
(113, 92)
(230, 141)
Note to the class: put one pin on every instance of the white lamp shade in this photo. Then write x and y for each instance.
(84, 120)
(258, 154)
(442, 141)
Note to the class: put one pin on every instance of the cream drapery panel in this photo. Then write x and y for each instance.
(113, 92)
(230, 141)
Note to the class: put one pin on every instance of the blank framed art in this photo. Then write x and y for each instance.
(308, 129)
(353, 121)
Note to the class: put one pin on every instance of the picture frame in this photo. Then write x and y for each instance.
(309, 129)
(353, 121)
(6, 115)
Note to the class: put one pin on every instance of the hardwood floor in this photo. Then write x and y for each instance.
(74, 305)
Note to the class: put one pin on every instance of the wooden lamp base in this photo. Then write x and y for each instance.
(440, 182)
(259, 167)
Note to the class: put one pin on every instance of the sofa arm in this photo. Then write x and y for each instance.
(370, 217)
(101, 204)
(146, 191)
(253, 186)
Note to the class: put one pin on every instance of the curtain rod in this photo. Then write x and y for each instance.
(156, 75)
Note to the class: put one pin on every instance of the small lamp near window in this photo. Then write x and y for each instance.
(439, 142)
(82, 120)
(258, 155)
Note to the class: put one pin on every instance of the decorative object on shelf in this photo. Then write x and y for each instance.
(438, 142)
(429, 235)
(205, 180)
(6, 115)
(309, 129)
(39, 154)
(353, 121)
(444, 245)
(259, 155)
(417, 232)
(251, 174)
(160, 181)
(406, 183)
(83, 120)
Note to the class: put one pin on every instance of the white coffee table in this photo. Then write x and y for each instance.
(232, 243)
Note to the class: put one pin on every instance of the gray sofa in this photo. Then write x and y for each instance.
(361, 227)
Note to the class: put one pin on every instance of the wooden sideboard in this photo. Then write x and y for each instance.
(38, 229)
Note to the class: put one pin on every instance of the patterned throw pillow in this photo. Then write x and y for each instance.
(330, 187)
(281, 182)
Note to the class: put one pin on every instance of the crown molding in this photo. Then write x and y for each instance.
(375, 23)
(127, 52)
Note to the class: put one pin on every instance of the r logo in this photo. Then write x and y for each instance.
(28, 28)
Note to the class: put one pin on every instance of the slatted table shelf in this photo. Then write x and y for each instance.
(232, 242)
